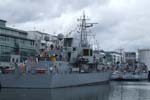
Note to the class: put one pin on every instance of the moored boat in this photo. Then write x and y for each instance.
(62, 64)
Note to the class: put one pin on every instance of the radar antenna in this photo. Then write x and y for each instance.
(83, 30)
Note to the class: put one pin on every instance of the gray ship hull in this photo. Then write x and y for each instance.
(52, 80)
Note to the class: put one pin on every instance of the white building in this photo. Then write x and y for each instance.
(144, 57)
(42, 40)
(117, 57)
(130, 57)
(100, 56)
(112, 57)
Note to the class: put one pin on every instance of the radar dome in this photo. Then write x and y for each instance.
(46, 38)
(60, 36)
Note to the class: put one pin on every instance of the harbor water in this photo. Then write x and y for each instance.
(111, 91)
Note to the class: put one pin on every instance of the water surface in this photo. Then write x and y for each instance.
(112, 91)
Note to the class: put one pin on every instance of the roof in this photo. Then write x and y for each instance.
(146, 49)
(12, 29)
(40, 32)
(130, 52)
(3, 20)
(112, 52)
(100, 51)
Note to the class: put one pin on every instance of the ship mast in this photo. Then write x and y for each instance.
(83, 30)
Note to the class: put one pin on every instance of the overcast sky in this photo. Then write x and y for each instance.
(121, 23)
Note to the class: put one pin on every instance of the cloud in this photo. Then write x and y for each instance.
(121, 23)
(20, 11)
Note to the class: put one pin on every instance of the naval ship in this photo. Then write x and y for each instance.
(62, 64)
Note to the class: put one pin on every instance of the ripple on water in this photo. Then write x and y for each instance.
(112, 91)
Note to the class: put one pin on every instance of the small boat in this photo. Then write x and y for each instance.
(129, 76)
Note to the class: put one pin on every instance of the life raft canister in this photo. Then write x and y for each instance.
(53, 58)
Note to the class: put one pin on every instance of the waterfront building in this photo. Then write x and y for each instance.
(113, 57)
(42, 39)
(144, 57)
(130, 57)
(14, 42)
(100, 56)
